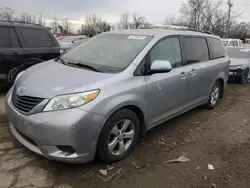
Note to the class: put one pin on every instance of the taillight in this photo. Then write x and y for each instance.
(229, 61)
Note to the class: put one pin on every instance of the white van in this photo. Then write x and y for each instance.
(232, 42)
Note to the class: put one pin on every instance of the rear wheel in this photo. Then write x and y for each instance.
(119, 136)
(214, 95)
(244, 77)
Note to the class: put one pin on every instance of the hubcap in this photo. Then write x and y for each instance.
(215, 95)
(121, 137)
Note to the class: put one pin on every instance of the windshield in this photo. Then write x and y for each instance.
(108, 52)
(225, 43)
(238, 53)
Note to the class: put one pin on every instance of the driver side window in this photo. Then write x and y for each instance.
(169, 50)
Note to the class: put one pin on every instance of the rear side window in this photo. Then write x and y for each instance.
(217, 49)
(13, 38)
(196, 49)
(4, 37)
(36, 37)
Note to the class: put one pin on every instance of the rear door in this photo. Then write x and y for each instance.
(11, 52)
(38, 43)
(200, 71)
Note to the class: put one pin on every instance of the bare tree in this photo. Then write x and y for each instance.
(27, 18)
(214, 17)
(192, 11)
(6, 14)
(146, 25)
(93, 24)
(138, 21)
(173, 20)
(104, 26)
(66, 26)
(240, 30)
(54, 25)
(210, 15)
(124, 21)
(60, 28)
(40, 20)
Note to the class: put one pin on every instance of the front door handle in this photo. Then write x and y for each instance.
(183, 75)
(192, 72)
(15, 53)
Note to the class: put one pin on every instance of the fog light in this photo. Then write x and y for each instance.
(67, 149)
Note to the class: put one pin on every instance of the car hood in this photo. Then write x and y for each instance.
(52, 78)
(235, 62)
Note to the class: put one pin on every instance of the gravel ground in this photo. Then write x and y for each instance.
(220, 137)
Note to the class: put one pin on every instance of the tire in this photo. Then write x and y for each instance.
(110, 148)
(214, 95)
(244, 77)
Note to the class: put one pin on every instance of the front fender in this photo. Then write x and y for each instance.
(110, 105)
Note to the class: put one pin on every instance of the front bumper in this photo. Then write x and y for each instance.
(235, 72)
(44, 133)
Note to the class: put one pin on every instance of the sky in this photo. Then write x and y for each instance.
(110, 10)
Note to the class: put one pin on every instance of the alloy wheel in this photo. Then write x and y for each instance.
(121, 137)
(215, 95)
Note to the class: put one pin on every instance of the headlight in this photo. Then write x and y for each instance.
(62, 102)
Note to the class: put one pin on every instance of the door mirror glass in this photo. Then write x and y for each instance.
(160, 66)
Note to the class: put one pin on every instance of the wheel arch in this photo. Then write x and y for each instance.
(221, 81)
(138, 112)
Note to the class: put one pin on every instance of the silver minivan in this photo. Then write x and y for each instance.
(98, 98)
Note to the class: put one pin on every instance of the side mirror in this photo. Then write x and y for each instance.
(160, 66)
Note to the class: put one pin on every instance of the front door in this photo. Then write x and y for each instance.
(166, 92)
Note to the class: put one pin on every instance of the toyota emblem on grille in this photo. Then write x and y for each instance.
(21, 89)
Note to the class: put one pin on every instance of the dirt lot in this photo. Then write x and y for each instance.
(220, 137)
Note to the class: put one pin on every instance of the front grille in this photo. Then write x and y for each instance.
(25, 103)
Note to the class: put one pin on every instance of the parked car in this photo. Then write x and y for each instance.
(231, 42)
(99, 97)
(20, 43)
(246, 45)
(68, 42)
(240, 64)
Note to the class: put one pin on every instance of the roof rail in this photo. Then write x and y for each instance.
(19, 22)
(196, 30)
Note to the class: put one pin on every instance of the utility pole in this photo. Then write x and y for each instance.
(230, 5)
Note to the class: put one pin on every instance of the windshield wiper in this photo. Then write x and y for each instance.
(84, 66)
(62, 60)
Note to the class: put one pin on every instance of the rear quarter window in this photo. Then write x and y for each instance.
(35, 37)
(217, 49)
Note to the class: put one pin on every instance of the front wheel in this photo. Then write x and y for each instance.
(119, 136)
(214, 95)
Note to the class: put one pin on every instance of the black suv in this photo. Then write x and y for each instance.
(23, 45)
